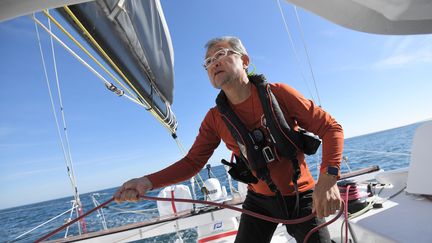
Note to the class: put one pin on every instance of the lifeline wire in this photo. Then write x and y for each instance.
(46, 222)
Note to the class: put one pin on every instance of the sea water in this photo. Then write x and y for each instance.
(388, 149)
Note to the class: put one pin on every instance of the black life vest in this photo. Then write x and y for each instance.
(285, 140)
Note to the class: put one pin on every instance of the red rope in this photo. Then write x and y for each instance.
(83, 223)
(172, 202)
(349, 193)
(256, 215)
(346, 213)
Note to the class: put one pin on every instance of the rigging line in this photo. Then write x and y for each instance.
(53, 109)
(180, 145)
(183, 151)
(119, 71)
(111, 62)
(156, 115)
(69, 152)
(293, 48)
(307, 54)
(133, 99)
(84, 49)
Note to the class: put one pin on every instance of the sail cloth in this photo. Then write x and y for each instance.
(135, 36)
(386, 17)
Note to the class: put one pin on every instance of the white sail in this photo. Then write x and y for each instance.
(388, 17)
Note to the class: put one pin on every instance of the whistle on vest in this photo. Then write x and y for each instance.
(259, 139)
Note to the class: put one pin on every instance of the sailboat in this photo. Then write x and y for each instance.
(145, 59)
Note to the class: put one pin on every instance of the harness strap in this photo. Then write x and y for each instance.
(284, 139)
(279, 128)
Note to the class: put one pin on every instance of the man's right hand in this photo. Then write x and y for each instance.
(132, 190)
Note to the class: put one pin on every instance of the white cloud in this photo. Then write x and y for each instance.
(27, 161)
(329, 33)
(398, 52)
(26, 174)
(408, 51)
(423, 55)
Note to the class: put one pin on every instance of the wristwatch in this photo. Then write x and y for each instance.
(333, 171)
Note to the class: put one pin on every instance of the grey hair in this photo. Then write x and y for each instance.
(233, 41)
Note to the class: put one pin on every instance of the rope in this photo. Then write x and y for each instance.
(113, 64)
(106, 82)
(107, 58)
(84, 49)
(183, 151)
(307, 54)
(53, 109)
(253, 214)
(294, 50)
(64, 145)
(180, 145)
(347, 197)
(60, 99)
(349, 192)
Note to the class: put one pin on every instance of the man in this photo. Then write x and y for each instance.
(226, 64)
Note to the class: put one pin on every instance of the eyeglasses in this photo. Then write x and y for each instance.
(217, 56)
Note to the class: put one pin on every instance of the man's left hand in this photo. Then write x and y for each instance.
(326, 197)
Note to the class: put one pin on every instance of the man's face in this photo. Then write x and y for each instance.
(228, 68)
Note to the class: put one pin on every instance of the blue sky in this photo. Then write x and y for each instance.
(367, 82)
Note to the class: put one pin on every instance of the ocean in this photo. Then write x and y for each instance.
(390, 149)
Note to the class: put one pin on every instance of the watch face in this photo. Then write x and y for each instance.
(332, 171)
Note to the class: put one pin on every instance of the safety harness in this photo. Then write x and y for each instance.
(256, 151)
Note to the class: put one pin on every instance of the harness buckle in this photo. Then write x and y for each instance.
(268, 154)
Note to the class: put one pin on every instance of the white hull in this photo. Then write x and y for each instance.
(156, 227)
(403, 218)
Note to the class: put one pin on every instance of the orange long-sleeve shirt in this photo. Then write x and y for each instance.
(298, 111)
